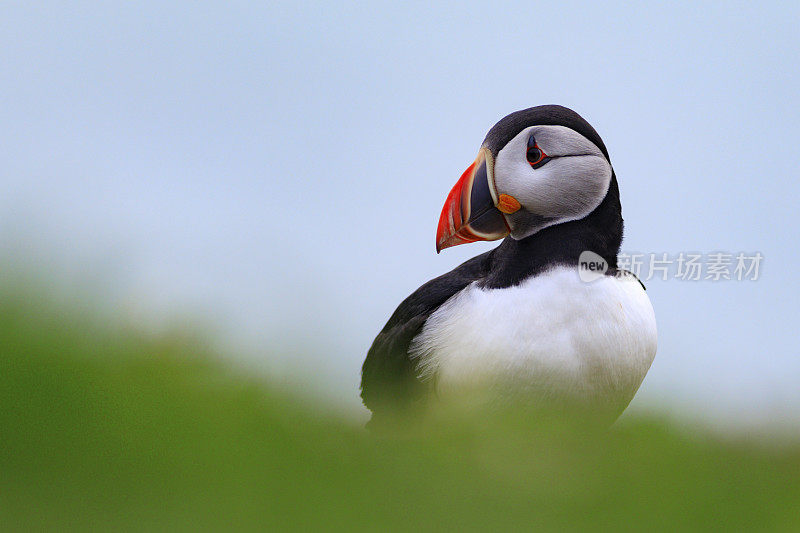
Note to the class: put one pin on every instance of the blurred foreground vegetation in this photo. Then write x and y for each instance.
(103, 428)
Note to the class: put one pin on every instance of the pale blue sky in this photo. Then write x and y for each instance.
(281, 169)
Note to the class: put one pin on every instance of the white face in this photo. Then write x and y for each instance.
(567, 187)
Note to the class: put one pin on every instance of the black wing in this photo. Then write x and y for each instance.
(389, 378)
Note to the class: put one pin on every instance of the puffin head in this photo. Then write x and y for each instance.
(537, 168)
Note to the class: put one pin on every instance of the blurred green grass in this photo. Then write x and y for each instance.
(105, 428)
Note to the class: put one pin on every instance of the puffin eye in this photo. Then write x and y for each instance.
(536, 157)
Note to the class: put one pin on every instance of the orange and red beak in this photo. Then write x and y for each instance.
(470, 212)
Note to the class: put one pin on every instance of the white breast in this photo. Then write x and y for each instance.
(552, 334)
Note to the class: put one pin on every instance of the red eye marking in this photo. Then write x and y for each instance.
(535, 155)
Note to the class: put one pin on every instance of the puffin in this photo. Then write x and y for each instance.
(546, 317)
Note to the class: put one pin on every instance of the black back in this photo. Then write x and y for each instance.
(389, 378)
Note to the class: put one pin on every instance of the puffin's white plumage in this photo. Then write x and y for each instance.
(551, 335)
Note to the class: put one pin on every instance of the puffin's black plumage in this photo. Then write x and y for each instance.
(543, 115)
(389, 376)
